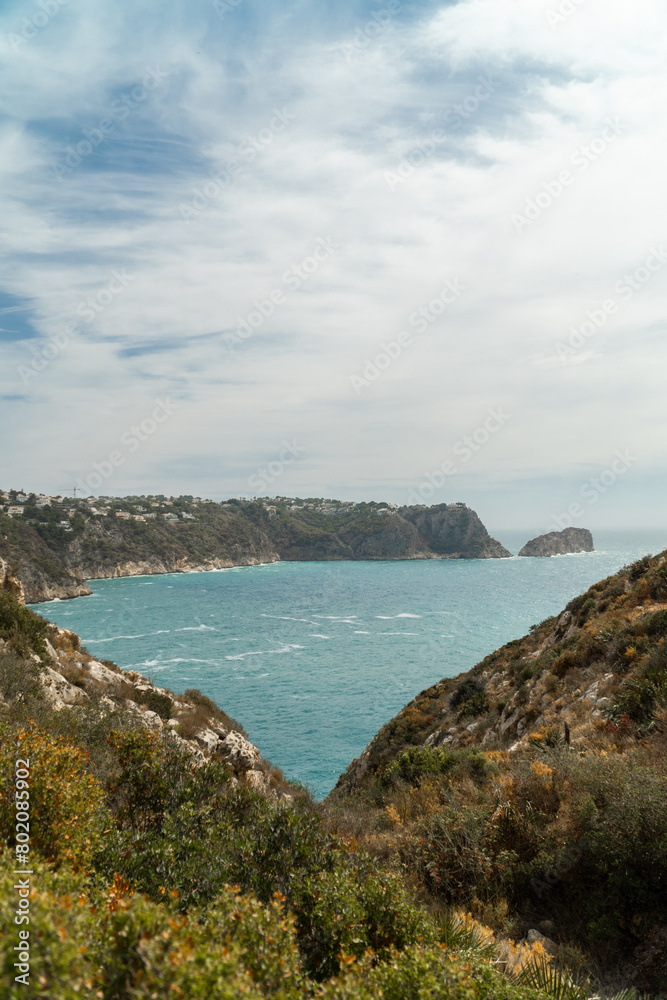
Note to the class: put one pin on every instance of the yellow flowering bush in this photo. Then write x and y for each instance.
(67, 814)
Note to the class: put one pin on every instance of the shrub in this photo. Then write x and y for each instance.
(637, 569)
(654, 624)
(193, 721)
(161, 704)
(118, 944)
(67, 808)
(419, 762)
(644, 692)
(608, 872)
(19, 678)
(197, 698)
(470, 698)
(21, 628)
(448, 852)
(150, 772)
(567, 660)
(348, 911)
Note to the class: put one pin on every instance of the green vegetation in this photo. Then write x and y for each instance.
(551, 807)
(92, 539)
(157, 875)
(24, 631)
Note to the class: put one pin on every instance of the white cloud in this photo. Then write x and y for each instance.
(324, 175)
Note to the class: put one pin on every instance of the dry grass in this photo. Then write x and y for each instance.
(193, 721)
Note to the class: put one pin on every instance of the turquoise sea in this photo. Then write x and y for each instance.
(313, 658)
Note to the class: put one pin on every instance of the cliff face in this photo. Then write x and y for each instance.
(54, 564)
(69, 677)
(454, 532)
(559, 543)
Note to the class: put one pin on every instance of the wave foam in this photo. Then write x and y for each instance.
(403, 614)
(288, 648)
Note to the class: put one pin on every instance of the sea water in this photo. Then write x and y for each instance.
(314, 657)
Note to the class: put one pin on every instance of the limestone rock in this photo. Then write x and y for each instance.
(549, 946)
(10, 582)
(102, 674)
(239, 753)
(207, 740)
(256, 780)
(59, 691)
(559, 543)
(152, 719)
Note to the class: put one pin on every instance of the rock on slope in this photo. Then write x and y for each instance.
(559, 543)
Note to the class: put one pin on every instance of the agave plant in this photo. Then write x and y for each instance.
(460, 935)
(554, 981)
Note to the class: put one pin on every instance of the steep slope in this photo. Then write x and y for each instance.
(533, 788)
(50, 662)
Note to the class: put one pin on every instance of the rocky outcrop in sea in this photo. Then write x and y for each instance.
(559, 543)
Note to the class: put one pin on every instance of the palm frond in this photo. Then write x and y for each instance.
(556, 982)
(456, 934)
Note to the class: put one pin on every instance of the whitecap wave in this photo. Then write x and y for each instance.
(197, 628)
(114, 638)
(338, 618)
(287, 618)
(288, 648)
(403, 614)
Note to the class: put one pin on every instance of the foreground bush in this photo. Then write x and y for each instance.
(21, 628)
(68, 813)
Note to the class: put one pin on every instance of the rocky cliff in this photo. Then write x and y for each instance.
(453, 532)
(50, 562)
(69, 677)
(559, 543)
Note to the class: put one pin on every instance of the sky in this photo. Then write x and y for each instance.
(410, 252)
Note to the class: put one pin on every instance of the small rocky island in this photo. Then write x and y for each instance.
(559, 543)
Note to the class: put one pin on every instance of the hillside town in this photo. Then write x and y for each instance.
(61, 510)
